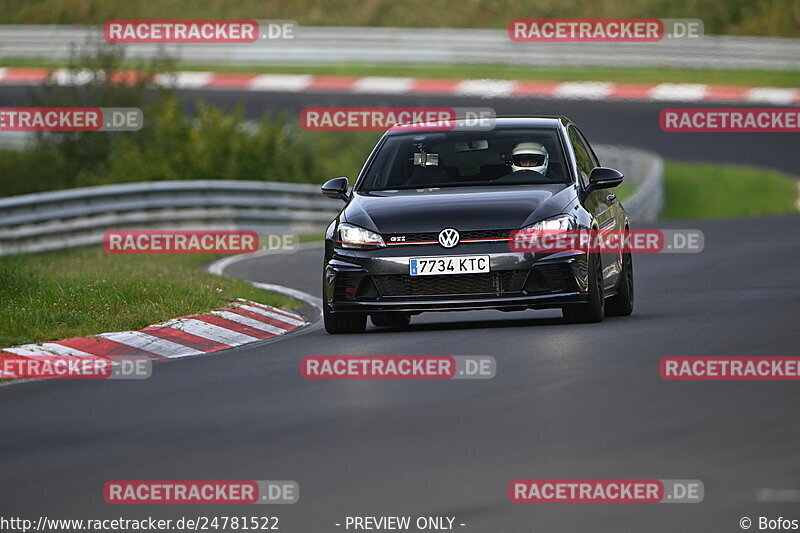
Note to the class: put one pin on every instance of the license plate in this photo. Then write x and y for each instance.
(459, 264)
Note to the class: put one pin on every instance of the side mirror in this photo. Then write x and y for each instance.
(604, 178)
(336, 188)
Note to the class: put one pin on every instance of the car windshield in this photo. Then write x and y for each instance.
(467, 158)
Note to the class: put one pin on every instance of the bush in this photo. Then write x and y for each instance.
(203, 142)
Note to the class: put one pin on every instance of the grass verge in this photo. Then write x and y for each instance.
(743, 78)
(695, 190)
(85, 291)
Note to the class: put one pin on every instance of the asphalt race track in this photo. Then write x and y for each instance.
(612, 122)
(568, 401)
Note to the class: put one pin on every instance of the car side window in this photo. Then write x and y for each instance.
(589, 149)
(582, 156)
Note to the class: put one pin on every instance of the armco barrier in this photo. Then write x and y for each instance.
(645, 171)
(330, 45)
(77, 217)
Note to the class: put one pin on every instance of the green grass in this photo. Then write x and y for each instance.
(743, 78)
(739, 17)
(723, 191)
(85, 291)
(311, 237)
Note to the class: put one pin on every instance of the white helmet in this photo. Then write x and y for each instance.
(530, 156)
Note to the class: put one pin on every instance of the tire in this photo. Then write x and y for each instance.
(621, 304)
(343, 322)
(391, 319)
(594, 309)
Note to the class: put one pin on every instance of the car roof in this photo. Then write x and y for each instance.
(500, 123)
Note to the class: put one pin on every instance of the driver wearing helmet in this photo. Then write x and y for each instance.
(530, 156)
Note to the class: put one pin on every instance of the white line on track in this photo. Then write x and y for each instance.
(149, 343)
(218, 268)
(681, 92)
(772, 95)
(184, 80)
(69, 78)
(280, 82)
(271, 314)
(292, 293)
(247, 321)
(588, 90)
(486, 88)
(209, 331)
(383, 85)
(45, 349)
(275, 309)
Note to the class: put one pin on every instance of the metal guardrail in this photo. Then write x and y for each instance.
(643, 169)
(331, 45)
(77, 217)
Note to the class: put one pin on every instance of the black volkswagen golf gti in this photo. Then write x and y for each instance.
(428, 223)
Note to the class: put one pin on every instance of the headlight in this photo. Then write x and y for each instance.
(561, 222)
(350, 236)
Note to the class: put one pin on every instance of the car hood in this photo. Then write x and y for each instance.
(463, 208)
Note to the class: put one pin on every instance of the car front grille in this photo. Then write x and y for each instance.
(433, 236)
(477, 285)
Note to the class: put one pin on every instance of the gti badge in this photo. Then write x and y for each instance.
(449, 237)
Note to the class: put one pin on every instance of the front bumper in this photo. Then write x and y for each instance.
(370, 281)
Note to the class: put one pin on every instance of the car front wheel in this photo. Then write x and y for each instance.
(621, 304)
(344, 322)
(594, 309)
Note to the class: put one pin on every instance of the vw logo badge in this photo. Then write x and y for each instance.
(449, 237)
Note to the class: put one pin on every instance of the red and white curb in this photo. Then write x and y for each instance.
(487, 88)
(240, 323)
